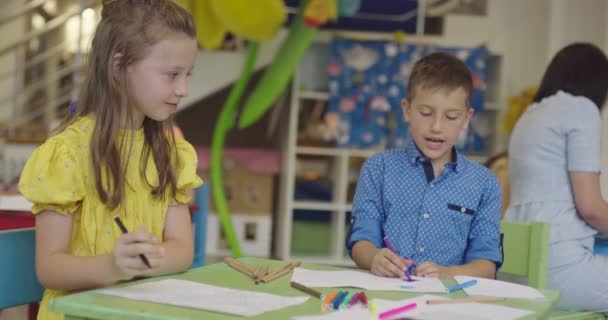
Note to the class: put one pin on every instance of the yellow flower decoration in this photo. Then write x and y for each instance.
(516, 106)
(253, 20)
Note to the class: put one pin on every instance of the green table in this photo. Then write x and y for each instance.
(91, 305)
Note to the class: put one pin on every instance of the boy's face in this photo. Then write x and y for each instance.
(436, 117)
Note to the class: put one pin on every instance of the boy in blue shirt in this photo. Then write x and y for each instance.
(440, 210)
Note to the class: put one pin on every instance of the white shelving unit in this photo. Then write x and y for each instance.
(342, 176)
(339, 205)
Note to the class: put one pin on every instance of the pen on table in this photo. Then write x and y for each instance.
(389, 245)
(354, 299)
(363, 298)
(344, 304)
(328, 300)
(373, 309)
(396, 311)
(125, 231)
(463, 285)
(338, 300)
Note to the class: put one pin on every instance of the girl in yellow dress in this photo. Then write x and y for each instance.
(118, 156)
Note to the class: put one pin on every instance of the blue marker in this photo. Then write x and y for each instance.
(463, 285)
(338, 300)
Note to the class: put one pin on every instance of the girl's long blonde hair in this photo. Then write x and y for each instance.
(127, 28)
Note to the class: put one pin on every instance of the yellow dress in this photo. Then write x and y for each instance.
(59, 176)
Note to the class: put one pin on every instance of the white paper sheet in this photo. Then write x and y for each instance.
(423, 311)
(364, 280)
(497, 288)
(201, 296)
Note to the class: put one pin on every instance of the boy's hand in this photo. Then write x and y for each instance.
(387, 264)
(431, 270)
(126, 260)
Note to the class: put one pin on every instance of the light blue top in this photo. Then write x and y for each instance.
(451, 219)
(552, 138)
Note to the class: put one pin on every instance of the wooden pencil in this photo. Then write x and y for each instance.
(276, 275)
(248, 268)
(256, 272)
(236, 265)
(308, 290)
(261, 273)
(465, 300)
(280, 272)
(277, 270)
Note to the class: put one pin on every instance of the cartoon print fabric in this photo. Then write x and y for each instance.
(367, 81)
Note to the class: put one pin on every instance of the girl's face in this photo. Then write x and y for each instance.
(157, 82)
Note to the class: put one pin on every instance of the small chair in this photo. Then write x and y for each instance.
(526, 254)
(199, 219)
(601, 247)
(18, 268)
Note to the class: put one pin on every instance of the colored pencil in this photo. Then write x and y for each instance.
(463, 285)
(271, 276)
(465, 300)
(396, 311)
(239, 266)
(308, 290)
(329, 299)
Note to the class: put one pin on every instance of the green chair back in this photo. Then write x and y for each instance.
(526, 254)
(526, 251)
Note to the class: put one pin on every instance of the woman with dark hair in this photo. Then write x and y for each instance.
(554, 163)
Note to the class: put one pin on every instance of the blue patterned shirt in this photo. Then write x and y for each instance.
(450, 220)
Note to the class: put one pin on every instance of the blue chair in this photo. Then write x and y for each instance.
(199, 219)
(601, 246)
(18, 269)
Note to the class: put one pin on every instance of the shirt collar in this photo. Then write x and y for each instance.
(415, 157)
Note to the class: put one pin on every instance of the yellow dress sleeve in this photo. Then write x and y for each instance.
(52, 178)
(187, 179)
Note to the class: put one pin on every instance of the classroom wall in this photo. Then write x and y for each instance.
(214, 70)
(577, 21)
(198, 122)
(514, 29)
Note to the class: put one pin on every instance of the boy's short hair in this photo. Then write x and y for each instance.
(440, 70)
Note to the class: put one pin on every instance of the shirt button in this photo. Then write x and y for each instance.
(463, 209)
(426, 215)
(432, 185)
(421, 249)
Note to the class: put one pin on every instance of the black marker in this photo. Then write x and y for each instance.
(125, 231)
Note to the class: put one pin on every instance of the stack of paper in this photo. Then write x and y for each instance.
(365, 280)
(201, 296)
(423, 311)
(496, 288)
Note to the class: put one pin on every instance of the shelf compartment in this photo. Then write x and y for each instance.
(314, 95)
(316, 205)
(312, 239)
